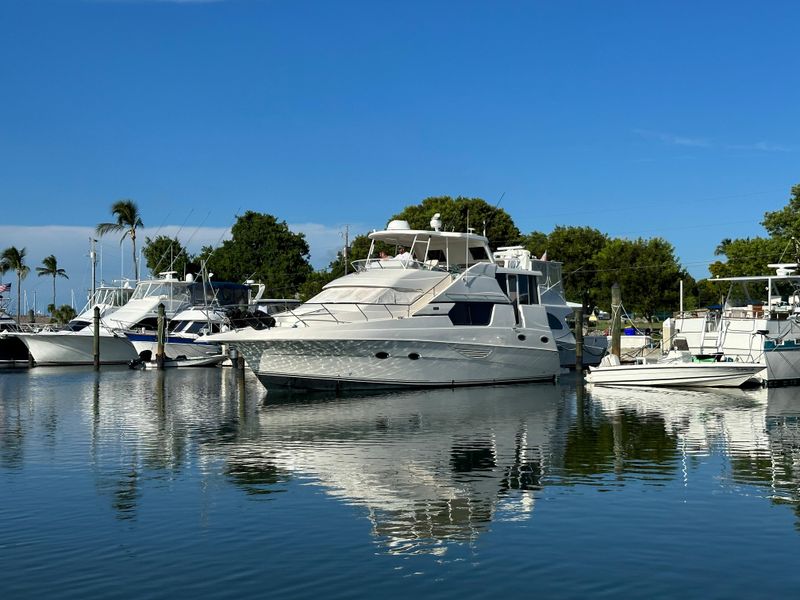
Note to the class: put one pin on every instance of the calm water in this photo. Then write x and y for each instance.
(138, 484)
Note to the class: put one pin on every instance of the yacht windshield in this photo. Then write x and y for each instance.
(177, 290)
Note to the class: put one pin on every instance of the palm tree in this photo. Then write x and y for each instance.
(128, 219)
(13, 259)
(51, 268)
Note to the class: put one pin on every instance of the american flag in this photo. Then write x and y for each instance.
(4, 287)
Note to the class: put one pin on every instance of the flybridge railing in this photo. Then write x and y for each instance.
(367, 264)
(325, 314)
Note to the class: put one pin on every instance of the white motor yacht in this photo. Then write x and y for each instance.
(759, 322)
(454, 317)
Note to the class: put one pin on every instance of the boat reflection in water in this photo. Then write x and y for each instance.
(432, 470)
(429, 466)
(757, 431)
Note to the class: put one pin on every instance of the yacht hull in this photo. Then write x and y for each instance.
(370, 364)
(76, 348)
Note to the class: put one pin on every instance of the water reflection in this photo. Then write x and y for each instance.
(427, 468)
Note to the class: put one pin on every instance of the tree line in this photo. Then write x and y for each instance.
(264, 249)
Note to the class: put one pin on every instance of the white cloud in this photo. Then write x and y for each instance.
(70, 245)
(697, 142)
(676, 140)
(761, 147)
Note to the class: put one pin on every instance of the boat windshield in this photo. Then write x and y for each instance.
(178, 290)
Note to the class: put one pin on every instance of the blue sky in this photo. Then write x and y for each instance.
(642, 119)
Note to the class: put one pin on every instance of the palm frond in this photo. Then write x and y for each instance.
(104, 228)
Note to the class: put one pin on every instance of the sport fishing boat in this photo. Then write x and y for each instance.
(75, 345)
(676, 369)
(72, 344)
(223, 306)
(452, 318)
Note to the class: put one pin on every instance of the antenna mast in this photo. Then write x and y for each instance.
(93, 260)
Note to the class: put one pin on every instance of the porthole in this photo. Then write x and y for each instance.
(413, 356)
(381, 355)
(544, 339)
(521, 337)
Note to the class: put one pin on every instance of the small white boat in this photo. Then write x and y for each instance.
(677, 370)
(181, 361)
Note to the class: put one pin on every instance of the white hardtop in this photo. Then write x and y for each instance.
(431, 248)
(773, 303)
(783, 271)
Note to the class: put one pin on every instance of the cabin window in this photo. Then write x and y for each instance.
(524, 298)
(523, 288)
(501, 281)
(554, 322)
(436, 255)
(150, 323)
(533, 289)
(471, 313)
(478, 253)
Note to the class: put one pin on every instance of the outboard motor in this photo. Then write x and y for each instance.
(138, 363)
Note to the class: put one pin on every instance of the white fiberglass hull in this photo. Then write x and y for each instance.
(175, 346)
(711, 374)
(358, 362)
(77, 348)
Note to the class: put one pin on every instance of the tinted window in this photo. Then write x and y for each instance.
(501, 281)
(554, 322)
(478, 253)
(471, 313)
(533, 289)
(524, 298)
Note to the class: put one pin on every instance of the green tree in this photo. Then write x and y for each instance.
(536, 242)
(749, 256)
(13, 259)
(168, 254)
(498, 225)
(785, 223)
(63, 314)
(577, 248)
(647, 271)
(128, 219)
(264, 249)
(51, 269)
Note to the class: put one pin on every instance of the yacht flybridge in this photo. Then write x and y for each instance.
(442, 313)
